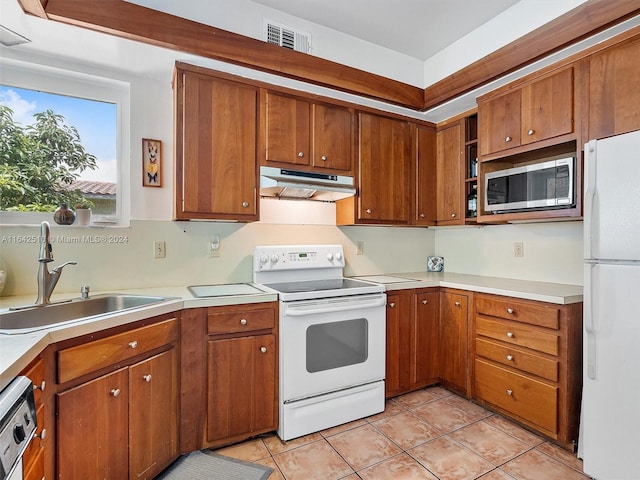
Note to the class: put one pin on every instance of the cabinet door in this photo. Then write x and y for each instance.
(385, 170)
(453, 340)
(241, 386)
(92, 426)
(398, 344)
(614, 95)
(216, 149)
(287, 135)
(153, 415)
(499, 123)
(450, 176)
(332, 138)
(426, 179)
(427, 311)
(547, 107)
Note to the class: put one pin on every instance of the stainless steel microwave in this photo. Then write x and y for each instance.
(545, 185)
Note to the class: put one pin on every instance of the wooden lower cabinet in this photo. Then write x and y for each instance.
(33, 459)
(453, 340)
(122, 424)
(528, 363)
(412, 340)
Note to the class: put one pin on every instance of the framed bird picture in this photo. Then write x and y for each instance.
(151, 163)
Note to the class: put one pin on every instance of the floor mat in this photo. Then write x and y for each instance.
(211, 466)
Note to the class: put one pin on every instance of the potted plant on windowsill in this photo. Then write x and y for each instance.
(83, 214)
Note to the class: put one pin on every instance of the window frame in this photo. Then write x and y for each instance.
(35, 76)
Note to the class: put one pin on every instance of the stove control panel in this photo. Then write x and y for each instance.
(297, 257)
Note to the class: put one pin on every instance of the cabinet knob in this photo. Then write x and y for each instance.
(245, 204)
(457, 304)
(133, 344)
(146, 378)
(42, 435)
(243, 321)
(509, 392)
(40, 387)
(115, 392)
(324, 158)
(300, 154)
(531, 131)
(392, 304)
(422, 215)
(424, 302)
(510, 358)
(263, 349)
(507, 139)
(368, 210)
(510, 334)
(453, 215)
(509, 310)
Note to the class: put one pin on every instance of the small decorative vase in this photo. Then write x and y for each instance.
(83, 216)
(64, 215)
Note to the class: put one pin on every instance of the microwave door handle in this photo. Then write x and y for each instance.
(293, 311)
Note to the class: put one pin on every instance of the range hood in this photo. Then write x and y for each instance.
(295, 184)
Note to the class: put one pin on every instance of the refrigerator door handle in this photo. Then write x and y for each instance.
(589, 324)
(589, 195)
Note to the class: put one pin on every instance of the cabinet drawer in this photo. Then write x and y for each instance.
(240, 322)
(518, 334)
(536, 314)
(516, 358)
(529, 399)
(77, 361)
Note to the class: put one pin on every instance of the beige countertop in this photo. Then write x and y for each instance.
(17, 351)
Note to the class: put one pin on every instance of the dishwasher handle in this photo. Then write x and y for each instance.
(316, 308)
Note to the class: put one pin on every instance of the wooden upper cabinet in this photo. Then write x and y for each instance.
(499, 123)
(614, 90)
(425, 178)
(386, 155)
(216, 145)
(307, 135)
(450, 175)
(547, 107)
(333, 129)
(287, 130)
(537, 111)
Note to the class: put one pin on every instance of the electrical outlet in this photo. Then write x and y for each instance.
(214, 247)
(359, 248)
(159, 249)
(518, 249)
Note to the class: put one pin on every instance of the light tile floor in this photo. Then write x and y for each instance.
(424, 435)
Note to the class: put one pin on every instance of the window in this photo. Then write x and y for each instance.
(86, 113)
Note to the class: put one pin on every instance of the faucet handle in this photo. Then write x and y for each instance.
(60, 267)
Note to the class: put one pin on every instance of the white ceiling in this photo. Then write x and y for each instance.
(417, 28)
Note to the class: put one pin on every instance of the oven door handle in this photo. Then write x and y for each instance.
(315, 309)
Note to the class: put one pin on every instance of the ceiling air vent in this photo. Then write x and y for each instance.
(287, 37)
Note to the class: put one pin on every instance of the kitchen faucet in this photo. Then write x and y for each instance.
(47, 280)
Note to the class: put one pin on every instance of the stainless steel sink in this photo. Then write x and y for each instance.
(32, 318)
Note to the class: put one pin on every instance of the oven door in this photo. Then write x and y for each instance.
(331, 344)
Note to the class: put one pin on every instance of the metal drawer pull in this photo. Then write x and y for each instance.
(368, 210)
(243, 321)
(42, 435)
(509, 310)
(457, 304)
(507, 139)
(323, 158)
(510, 334)
(424, 302)
(510, 358)
(133, 344)
(422, 215)
(263, 349)
(300, 154)
(531, 131)
(392, 304)
(509, 392)
(245, 204)
(453, 215)
(115, 392)
(40, 387)
(147, 378)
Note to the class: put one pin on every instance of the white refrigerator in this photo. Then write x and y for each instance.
(609, 441)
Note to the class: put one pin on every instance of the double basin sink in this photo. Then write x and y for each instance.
(31, 318)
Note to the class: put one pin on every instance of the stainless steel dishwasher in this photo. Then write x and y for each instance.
(17, 426)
